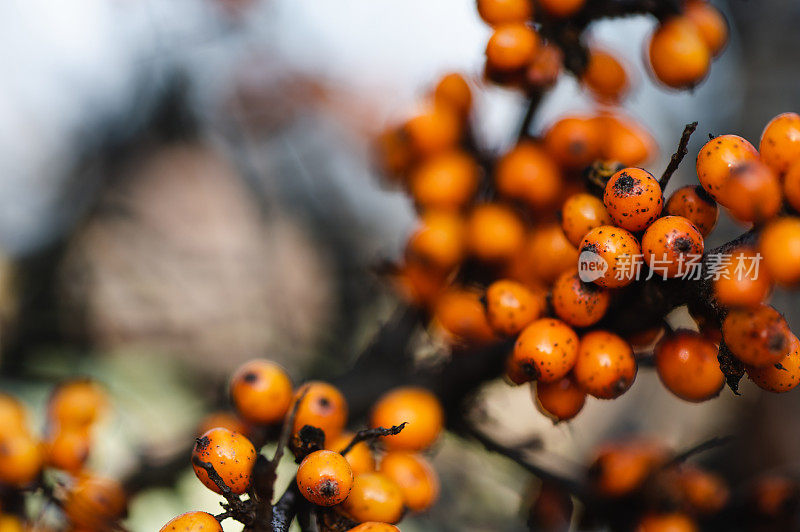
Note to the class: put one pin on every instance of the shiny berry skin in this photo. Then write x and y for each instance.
(374, 526)
(605, 77)
(548, 240)
(715, 160)
(415, 477)
(679, 58)
(703, 492)
(671, 243)
(193, 522)
(791, 186)
(77, 404)
(359, 457)
(605, 367)
(545, 68)
(447, 181)
(325, 478)
(710, 23)
(672, 522)
(626, 141)
(453, 90)
(545, 351)
(323, 406)
(782, 376)
(560, 400)
(757, 336)
(435, 129)
(619, 249)
(419, 408)
(494, 232)
(578, 303)
(261, 391)
(374, 497)
(574, 141)
(562, 8)
(497, 12)
(633, 199)
(780, 142)
(580, 214)
(95, 503)
(753, 192)
(619, 468)
(511, 306)
(779, 244)
(231, 454)
(21, 459)
(511, 47)
(687, 365)
(461, 315)
(68, 449)
(694, 203)
(438, 242)
(738, 284)
(528, 173)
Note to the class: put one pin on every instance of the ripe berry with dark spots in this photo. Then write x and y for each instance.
(261, 392)
(511, 306)
(633, 199)
(671, 246)
(619, 250)
(605, 366)
(780, 142)
(232, 456)
(325, 478)
(193, 522)
(757, 336)
(753, 192)
(782, 376)
(545, 351)
(580, 214)
(578, 303)
(715, 160)
(696, 205)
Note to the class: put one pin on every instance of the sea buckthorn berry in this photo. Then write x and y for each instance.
(757, 336)
(95, 503)
(438, 242)
(374, 497)
(716, 159)
(417, 284)
(463, 317)
(772, 495)
(528, 173)
(779, 244)
(68, 449)
(359, 457)
(453, 90)
(619, 249)
(261, 391)
(12, 523)
(703, 492)
(511, 47)
(494, 233)
(625, 141)
(323, 407)
(548, 241)
(77, 404)
(545, 351)
(393, 152)
(643, 339)
(619, 468)
(416, 406)
(436, 129)
(710, 23)
(578, 303)
(325, 478)
(415, 477)
(224, 419)
(560, 400)
(671, 522)
(780, 142)
(193, 522)
(605, 367)
(447, 181)
(687, 365)
(374, 526)
(753, 192)
(21, 459)
(562, 8)
(633, 199)
(232, 456)
(574, 141)
(783, 375)
(791, 185)
(496, 12)
(696, 205)
(741, 282)
(679, 58)
(580, 214)
(606, 77)
(670, 244)
(511, 306)
(13, 419)
(544, 69)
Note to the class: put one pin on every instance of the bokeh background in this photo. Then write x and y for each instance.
(185, 185)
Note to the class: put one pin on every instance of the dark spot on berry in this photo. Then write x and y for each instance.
(624, 185)
(250, 377)
(682, 244)
(202, 443)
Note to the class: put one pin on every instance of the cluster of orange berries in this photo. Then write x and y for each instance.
(89, 502)
(372, 490)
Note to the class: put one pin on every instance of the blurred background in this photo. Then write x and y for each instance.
(185, 185)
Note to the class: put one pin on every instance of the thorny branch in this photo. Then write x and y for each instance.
(369, 434)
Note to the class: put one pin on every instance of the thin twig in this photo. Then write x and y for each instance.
(286, 432)
(678, 156)
(235, 503)
(534, 100)
(707, 445)
(369, 434)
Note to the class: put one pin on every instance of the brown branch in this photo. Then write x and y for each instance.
(370, 434)
(678, 156)
(707, 445)
(241, 509)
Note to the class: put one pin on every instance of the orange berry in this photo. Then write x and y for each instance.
(545, 351)
(12, 523)
(95, 503)
(780, 142)
(494, 233)
(374, 526)
(716, 159)
(77, 404)
(374, 497)
(673, 522)
(462, 315)
(605, 366)
(438, 242)
(757, 336)
(606, 77)
(741, 282)
(497, 12)
(261, 391)
(619, 468)
(453, 90)
(68, 449)
(574, 141)
(193, 522)
(694, 203)
(625, 141)
(447, 181)
(416, 406)
(560, 400)
(562, 8)
(619, 249)
(13, 419)
(779, 244)
(773, 495)
(704, 492)
(511, 47)
(548, 240)
(791, 185)
(580, 214)
(325, 478)
(710, 23)
(753, 192)
(436, 129)
(231, 454)
(510, 306)
(782, 376)
(417, 284)
(323, 407)
(528, 173)
(21, 459)
(670, 244)
(687, 365)
(544, 69)
(679, 57)
(359, 457)
(415, 477)
(633, 199)
(578, 303)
